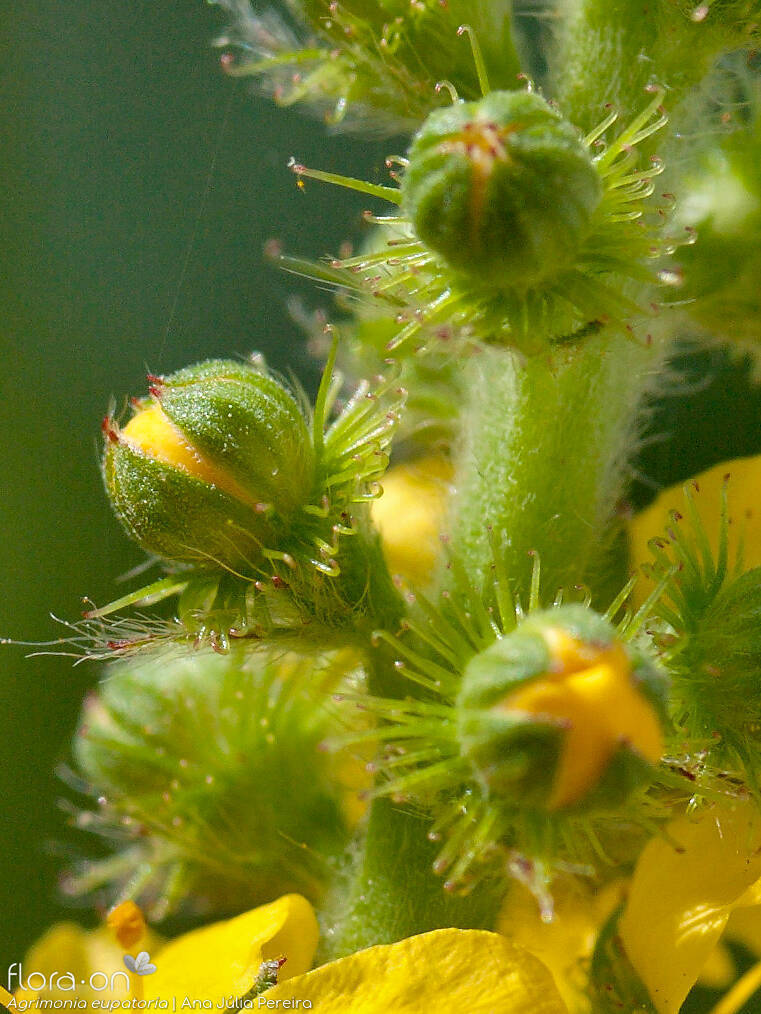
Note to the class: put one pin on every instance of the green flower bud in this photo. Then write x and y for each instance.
(197, 762)
(213, 467)
(560, 713)
(503, 188)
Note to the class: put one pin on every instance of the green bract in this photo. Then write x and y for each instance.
(503, 188)
(212, 467)
(247, 423)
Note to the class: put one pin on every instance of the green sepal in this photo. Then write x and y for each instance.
(503, 188)
(248, 425)
(503, 667)
(614, 985)
(523, 654)
(625, 773)
(514, 758)
(173, 514)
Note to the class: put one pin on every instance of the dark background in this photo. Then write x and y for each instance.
(114, 114)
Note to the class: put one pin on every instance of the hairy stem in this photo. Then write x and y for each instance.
(543, 463)
(391, 891)
(395, 894)
(543, 460)
(612, 49)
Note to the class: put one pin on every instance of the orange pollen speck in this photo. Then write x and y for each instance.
(127, 923)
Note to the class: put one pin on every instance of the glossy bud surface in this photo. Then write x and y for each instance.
(212, 467)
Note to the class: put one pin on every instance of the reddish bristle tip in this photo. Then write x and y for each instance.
(109, 429)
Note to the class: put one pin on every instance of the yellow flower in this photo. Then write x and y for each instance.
(743, 478)
(447, 971)
(686, 886)
(410, 514)
(218, 963)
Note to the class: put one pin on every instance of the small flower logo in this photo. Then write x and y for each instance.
(141, 965)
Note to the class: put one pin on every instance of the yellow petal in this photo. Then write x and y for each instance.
(742, 499)
(153, 433)
(594, 694)
(681, 899)
(410, 514)
(719, 971)
(222, 960)
(447, 971)
(565, 944)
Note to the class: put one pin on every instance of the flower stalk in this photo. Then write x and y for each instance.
(543, 459)
(394, 892)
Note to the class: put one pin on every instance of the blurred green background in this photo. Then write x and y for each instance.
(116, 118)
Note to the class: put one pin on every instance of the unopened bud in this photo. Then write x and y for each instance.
(503, 188)
(561, 713)
(212, 467)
